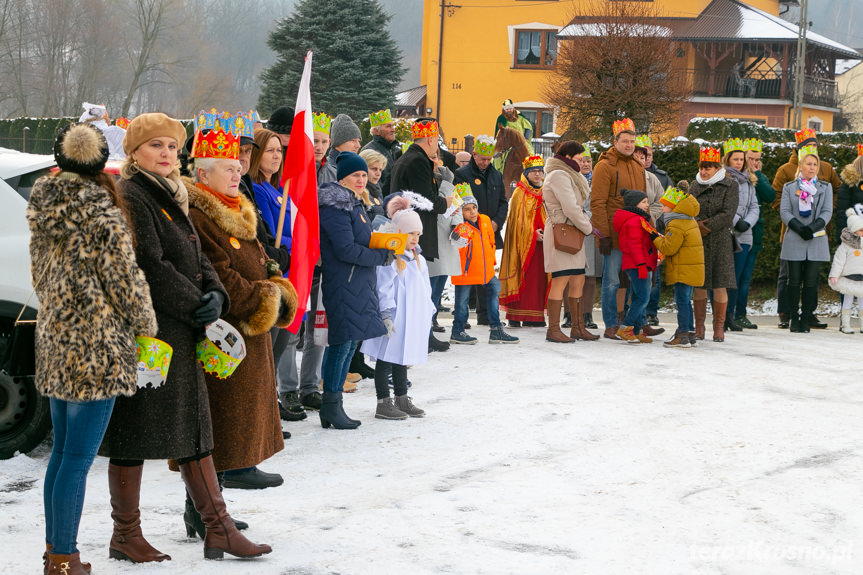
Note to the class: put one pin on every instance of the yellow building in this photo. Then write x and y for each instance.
(738, 58)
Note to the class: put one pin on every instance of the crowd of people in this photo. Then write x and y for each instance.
(197, 230)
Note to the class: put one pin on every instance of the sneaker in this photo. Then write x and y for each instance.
(404, 403)
(311, 400)
(652, 319)
(437, 345)
(642, 338)
(463, 338)
(625, 333)
(497, 335)
(387, 410)
(290, 408)
(680, 339)
(744, 322)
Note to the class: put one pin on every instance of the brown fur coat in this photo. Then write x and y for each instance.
(94, 299)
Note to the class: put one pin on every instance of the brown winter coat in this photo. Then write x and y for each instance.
(717, 206)
(93, 298)
(171, 421)
(613, 172)
(244, 409)
(682, 246)
(564, 193)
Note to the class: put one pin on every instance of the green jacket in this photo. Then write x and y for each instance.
(766, 194)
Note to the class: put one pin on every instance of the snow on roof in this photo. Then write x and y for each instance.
(843, 66)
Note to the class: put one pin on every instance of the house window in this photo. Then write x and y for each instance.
(536, 48)
(815, 123)
(542, 121)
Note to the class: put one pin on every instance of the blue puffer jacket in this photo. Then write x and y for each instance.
(348, 278)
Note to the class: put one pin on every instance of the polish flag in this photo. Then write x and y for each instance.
(300, 182)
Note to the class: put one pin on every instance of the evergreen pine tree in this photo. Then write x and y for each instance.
(356, 65)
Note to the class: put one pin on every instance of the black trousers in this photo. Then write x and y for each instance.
(803, 274)
(383, 371)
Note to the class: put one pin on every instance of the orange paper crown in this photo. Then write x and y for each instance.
(624, 125)
(532, 162)
(424, 129)
(804, 135)
(860, 149)
(122, 122)
(709, 155)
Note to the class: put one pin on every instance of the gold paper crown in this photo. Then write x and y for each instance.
(463, 190)
(860, 149)
(380, 118)
(624, 125)
(709, 155)
(808, 150)
(424, 129)
(752, 145)
(122, 122)
(321, 123)
(216, 135)
(532, 162)
(805, 134)
(672, 196)
(586, 153)
(484, 146)
(643, 141)
(734, 145)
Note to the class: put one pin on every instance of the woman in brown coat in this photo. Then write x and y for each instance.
(171, 421)
(565, 193)
(717, 197)
(243, 407)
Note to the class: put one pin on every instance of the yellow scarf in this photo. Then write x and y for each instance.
(520, 242)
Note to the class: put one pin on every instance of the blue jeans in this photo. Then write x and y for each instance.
(640, 289)
(744, 279)
(683, 301)
(653, 303)
(337, 360)
(438, 283)
(462, 293)
(610, 282)
(78, 431)
(739, 263)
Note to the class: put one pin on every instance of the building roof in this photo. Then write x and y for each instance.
(726, 20)
(410, 98)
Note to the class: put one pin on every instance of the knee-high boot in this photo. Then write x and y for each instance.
(578, 330)
(127, 542)
(699, 309)
(553, 332)
(222, 535)
(719, 308)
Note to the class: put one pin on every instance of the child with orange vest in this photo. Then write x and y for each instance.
(477, 265)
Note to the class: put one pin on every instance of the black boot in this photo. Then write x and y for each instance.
(731, 324)
(332, 412)
(437, 345)
(358, 365)
(588, 321)
(192, 519)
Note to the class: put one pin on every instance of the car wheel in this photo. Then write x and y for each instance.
(25, 416)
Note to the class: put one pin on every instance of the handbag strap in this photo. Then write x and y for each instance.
(38, 282)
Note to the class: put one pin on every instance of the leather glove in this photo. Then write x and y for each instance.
(605, 245)
(798, 228)
(741, 226)
(210, 309)
(703, 229)
(642, 272)
(391, 257)
(817, 225)
(391, 328)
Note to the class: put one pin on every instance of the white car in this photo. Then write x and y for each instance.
(24, 415)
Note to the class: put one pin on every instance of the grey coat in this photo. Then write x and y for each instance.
(747, 209)
(717, 206)
(795, 248)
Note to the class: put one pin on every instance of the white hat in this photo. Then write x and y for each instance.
(855, 220)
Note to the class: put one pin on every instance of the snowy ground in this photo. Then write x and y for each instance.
(593, 458)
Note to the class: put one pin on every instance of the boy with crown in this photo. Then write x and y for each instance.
(384, 141)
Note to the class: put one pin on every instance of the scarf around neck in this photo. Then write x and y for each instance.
(172, 185)
(806, 190)
(230, 202)
(718, 176)
(741, 177)
(569, 162)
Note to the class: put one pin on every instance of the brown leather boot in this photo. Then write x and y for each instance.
(46, 564)
(553, 332)
(699, 309)
(127, 542)
(65, 565)
(719, 308)
(222, 535)
(578, 330)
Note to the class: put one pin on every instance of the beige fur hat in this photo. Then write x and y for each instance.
(153, 125)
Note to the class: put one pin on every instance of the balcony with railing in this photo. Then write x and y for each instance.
(754, 85)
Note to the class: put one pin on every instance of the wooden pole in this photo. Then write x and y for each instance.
(282, 210)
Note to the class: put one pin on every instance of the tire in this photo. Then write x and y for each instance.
(25, 415)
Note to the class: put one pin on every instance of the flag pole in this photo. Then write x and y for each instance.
(282, 210)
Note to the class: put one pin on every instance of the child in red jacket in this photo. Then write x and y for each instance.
(632, 224)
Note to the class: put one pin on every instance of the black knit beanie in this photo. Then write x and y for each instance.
(631, 198)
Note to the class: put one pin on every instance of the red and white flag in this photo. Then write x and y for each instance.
(300, 181)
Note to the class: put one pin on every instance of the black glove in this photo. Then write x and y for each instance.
(654, 235)
(817, 225)
(741, 226)
(605, 245)
(211, 308)
(801, 230)
(391, 257)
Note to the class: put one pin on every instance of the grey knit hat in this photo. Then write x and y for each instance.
(343, 129)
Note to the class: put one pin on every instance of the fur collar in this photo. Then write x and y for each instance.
(853, 241)
(60, 205)
(242, 224)
(850, 176)
(334, 195)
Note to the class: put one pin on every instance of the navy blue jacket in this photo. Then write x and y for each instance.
(348, 278)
